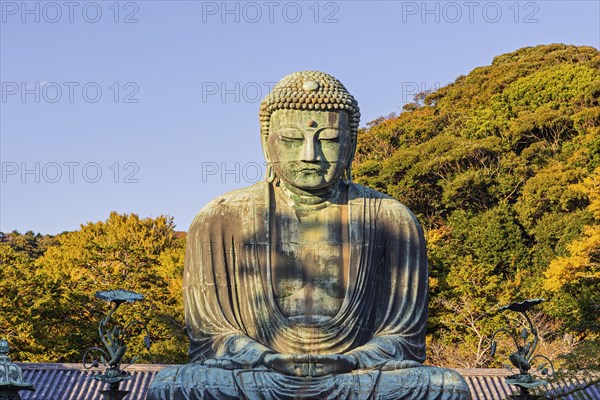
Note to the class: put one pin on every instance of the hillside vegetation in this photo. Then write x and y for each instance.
(502, 167)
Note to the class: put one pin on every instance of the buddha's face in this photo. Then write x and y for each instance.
(309, 149)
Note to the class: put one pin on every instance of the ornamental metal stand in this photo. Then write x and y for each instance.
(524, 356)
(11, 377)
(114, 342)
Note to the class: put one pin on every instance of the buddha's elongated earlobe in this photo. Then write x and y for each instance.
(347, 174)
(270, 173)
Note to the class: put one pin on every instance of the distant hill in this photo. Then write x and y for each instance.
(502, 169)
(534, 104)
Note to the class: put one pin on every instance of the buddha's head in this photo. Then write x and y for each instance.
(308, 127)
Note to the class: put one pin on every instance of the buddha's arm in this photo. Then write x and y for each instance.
(237, 351)
(402, 332)
(211, 342)
(214, 318)
(379, 351)
(218, 340)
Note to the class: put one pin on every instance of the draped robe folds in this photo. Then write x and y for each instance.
(231, 312)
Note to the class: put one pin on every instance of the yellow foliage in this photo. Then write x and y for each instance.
(435, 235)
(584, 259)
(592, 185)
(433, 283)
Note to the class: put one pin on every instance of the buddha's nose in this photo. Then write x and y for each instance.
(308, 151)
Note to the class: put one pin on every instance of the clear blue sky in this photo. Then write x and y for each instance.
(176, 121)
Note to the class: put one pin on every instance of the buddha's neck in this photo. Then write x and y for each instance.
(314, 198)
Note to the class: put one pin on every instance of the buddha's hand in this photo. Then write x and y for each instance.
(393, 365)
(223, 363)
(310, 364)
(282, 363)
(328, 364)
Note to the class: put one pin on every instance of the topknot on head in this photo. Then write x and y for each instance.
(309, 90)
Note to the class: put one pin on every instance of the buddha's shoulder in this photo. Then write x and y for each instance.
(386, 205)
(234, 202)
(256, 192)
(360, 191)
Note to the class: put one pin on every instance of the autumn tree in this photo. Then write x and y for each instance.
(56, 290)
(500, 168)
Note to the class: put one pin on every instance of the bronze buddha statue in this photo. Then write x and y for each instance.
(306, 285)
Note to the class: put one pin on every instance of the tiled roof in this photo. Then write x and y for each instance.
(73, 382)
(488, 384)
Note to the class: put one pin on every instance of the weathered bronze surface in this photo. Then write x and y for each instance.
(306, 285)
(114, 341)
(11, 376)
(524, 356)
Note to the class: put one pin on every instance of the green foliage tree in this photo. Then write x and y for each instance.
(56, 308)
(18, 288)
(498, 168)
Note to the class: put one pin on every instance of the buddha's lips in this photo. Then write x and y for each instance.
(305, 168)
(309, 170)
